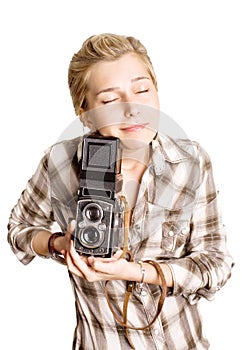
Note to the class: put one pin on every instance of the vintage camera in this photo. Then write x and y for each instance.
(99, 208)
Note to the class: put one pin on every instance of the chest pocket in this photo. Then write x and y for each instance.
(175, 236)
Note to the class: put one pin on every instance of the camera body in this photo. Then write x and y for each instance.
(99, 209)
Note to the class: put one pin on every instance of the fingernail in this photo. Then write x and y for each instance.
(70, 219)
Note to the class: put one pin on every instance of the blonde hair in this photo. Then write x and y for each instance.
(103, 47)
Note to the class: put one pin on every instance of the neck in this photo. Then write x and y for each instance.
(134, 158)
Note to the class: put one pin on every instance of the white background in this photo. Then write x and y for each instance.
(200, 51)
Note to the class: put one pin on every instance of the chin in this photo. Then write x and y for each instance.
(136, 142)
(135, 139)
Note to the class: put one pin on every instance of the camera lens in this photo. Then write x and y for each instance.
(91, 237)
(93, 212)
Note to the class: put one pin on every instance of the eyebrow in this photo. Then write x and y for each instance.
(117, 87)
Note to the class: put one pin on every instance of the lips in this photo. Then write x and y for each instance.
(134, 127)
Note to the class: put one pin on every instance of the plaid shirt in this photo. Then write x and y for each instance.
(175, 221)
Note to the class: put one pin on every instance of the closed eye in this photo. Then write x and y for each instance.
(142, 91)
(109, 101)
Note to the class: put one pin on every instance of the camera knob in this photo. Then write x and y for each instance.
(102, 226)
(81, 224)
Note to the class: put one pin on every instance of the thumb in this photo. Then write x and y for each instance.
(72, 225)
(68, 234)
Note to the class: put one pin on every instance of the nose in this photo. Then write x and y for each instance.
(131, 110)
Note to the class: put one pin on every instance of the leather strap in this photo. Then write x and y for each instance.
(129, 290)
(131, 285)
(125, 229)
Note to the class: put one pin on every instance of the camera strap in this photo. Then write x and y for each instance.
(129, 289)
(131, 286)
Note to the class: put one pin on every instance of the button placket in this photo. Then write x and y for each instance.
(171, 236)
(158, 336)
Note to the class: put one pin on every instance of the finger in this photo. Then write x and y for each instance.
(72, 267)
(80, 262)
(118, 253)
(68, 233)
(71, 226)
(87, 266)
(91, 260)
(103, 266)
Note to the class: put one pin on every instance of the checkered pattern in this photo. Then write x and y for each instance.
(176, 221)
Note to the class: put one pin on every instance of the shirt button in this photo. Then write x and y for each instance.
(156, 331)
(184, 230)
(144, 293)
(171, 233)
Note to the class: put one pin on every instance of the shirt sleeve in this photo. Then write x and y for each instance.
(31, 214)
(207, 264)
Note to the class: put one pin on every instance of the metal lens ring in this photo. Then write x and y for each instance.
(93, 212)
(91, 237)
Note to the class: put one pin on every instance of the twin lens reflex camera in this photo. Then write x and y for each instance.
(99, 227)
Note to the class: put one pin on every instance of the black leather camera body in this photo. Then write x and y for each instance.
(99, 210)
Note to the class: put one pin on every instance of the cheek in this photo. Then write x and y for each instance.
(105, 117)
(108, 126)
(155, 101)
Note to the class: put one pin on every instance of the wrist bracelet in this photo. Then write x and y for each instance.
(142, 275)
(52, 251)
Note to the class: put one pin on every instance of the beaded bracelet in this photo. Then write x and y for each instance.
(53, 253)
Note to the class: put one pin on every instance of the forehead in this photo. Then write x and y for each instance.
(127, 67)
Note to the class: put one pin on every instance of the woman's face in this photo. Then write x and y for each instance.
(122, 100)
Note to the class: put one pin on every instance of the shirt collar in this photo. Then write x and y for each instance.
(166, 149)
(173, 151)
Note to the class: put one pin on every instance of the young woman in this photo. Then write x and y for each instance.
(171, 211)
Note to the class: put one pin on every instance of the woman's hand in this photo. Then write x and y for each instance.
(90, 268)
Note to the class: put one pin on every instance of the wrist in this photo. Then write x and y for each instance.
(144, 272)
(54, 246)
(135, 272)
